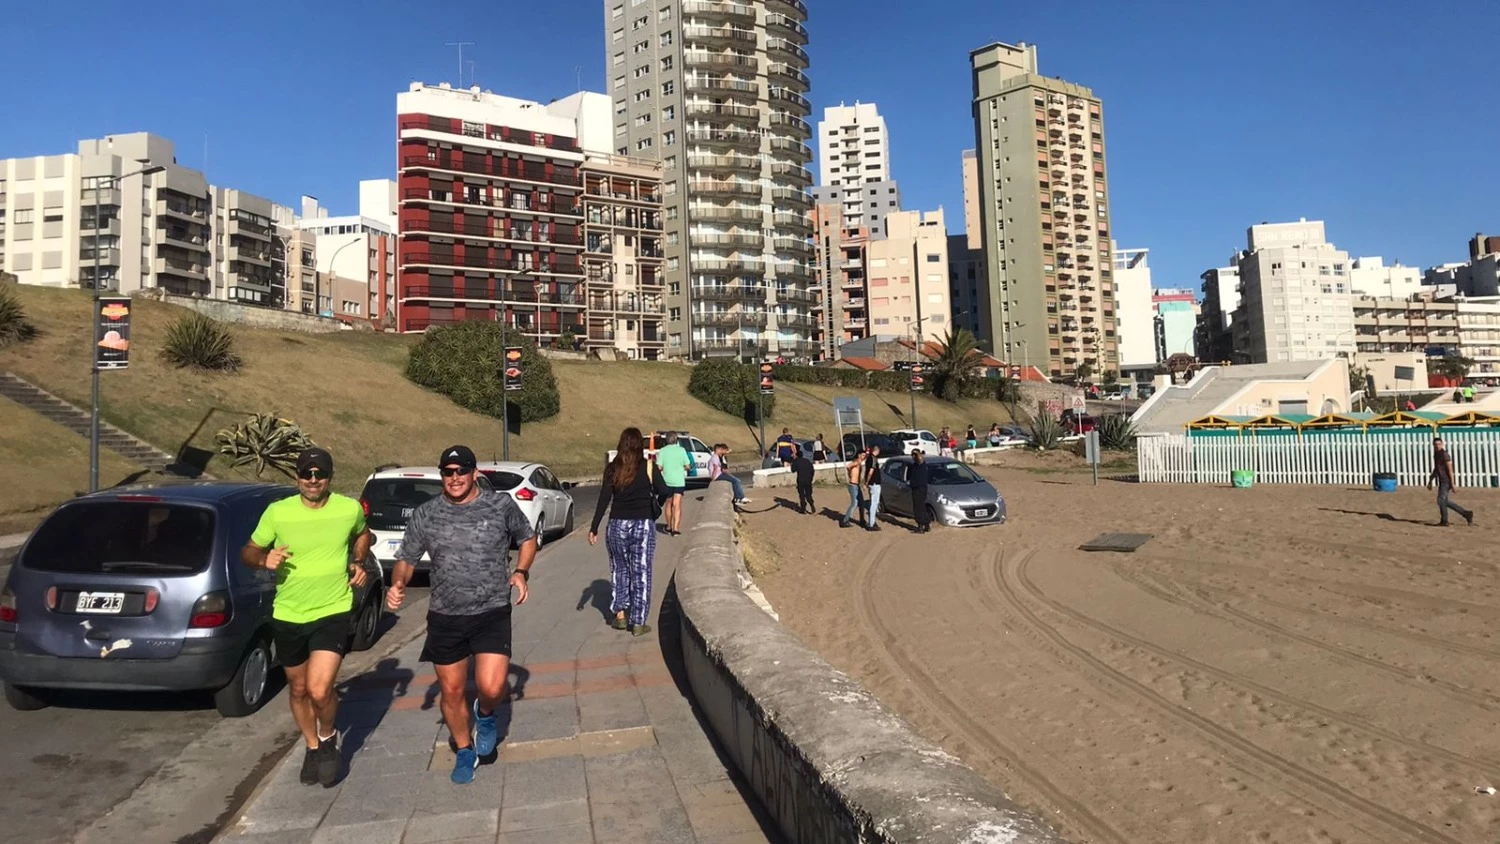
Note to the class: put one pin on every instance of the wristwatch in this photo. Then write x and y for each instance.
(524, 573)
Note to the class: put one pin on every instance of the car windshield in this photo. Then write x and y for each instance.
(118, 537)
(502, 480)
(952, 474)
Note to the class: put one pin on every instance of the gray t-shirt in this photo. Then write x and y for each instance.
(470, 549)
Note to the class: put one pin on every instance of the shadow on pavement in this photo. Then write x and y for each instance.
(599, 593)
(364, 701)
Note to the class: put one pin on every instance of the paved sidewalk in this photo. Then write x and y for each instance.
(599, 743)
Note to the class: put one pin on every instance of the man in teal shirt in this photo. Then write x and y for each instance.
(673, 462)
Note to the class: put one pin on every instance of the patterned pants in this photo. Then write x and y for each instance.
(632, 547)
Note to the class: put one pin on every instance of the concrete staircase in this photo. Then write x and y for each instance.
(76, 419)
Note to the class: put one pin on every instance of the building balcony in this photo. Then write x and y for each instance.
(790, 100)
(792, 244)
(791, 123)
(725, 187)
(178, 266)
(729, 319)
(730, 292)
(736, 12)
(802, 321)
(788, 271)
(527, 172)
(796, 222)
(792, 148)
(721, 86)
(522, 266)
(721, 61)
(718, 34)
(731, 239)
(786, 74)
(109, 256)
(791, 196)
(249, 255)
(720, 346)
(740, 163)
(856, 324)
(723, 112)
(852, 284)
(743, 266)
(727, 214)
(193, 211)
(182, 237)
(87, 228)
(106, 197)
(786, 50)
(731, 137)
(796, 295)
(786, 25)
(854, 303)
(792, 7)
(792, 172)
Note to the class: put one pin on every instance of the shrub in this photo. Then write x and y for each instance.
(1116, 432)
(731, 387)
(1045, 432)
(465, 361)
(14, 327)
(200, 342)
(264, 441)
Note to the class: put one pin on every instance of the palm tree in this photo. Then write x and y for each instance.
(954, 367)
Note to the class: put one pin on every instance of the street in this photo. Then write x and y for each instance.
(65, 768)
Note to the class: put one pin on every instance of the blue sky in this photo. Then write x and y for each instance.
(1378, 117)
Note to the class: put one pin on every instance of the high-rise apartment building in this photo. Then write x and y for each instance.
(1044, 214)
(622, 256)
(1295, 294)
(907, 274)
(1175, 321)
(973, 227)
(854, 165)
(356, 255)
(243, 226)
(842, 310)
(862, 207)
(1135, 311)
(968, 283)
(1221, 296)
(717, 92)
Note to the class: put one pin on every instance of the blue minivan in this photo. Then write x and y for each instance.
(140, 588)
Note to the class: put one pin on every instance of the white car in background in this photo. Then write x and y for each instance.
(543, 498)
(698, 451)
(910, 438)
(390, 495)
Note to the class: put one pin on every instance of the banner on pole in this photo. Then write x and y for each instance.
(513, 371)
(918, 380)
(112, 333)
(767, 379)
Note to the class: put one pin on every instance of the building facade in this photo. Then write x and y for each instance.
(864, 206)
(907, 272)
(1369, 276)
(717, 92)
(1175, 321)
(855, 166)
(1135, 309)
(1044, 214)
(1295, 294)
(1478, 278)
(1221, 296)
(842, 309)
(1479, 336)
(966, 287)
(356, 258)
(1387, 325)
(243, 228)
(622, 257)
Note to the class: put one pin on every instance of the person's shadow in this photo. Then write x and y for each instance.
(1385, 517)
(366, 699)
(599, 593)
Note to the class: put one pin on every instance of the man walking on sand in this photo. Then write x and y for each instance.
(1442, 473)
(468, 533)
(803, 469)
(872, 480)
(856, 469)
(306, 540)
(673, 462)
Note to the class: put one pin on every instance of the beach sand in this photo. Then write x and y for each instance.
(1278, 664)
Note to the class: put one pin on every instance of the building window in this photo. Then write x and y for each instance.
(618, 35)
(669, 138)
(666, 63)
(666, 39)
(619, 60)
(669, 113)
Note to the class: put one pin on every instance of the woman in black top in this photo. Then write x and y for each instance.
(631, 491)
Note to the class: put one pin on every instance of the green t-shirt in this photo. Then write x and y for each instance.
(673, 461)
(313, 583)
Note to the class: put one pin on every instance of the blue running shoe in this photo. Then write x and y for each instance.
(486, 732)
(464, 765)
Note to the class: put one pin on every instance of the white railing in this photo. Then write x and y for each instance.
(1349, 459)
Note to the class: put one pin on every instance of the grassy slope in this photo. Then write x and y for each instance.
(347, 391)
(45, 464)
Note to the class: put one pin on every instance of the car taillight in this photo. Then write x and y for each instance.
(153, 598)
(51, 597)
(7, 606)
(365, 506)
(524, 494)
(211, 610)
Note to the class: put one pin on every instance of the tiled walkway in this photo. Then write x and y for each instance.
(600, 744)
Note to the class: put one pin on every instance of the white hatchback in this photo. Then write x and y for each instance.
(910, 438)
(543, 498)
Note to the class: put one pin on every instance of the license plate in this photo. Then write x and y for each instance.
(102, 603)
(981, 513)
(393, 545)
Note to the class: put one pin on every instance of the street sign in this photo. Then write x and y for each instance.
(1406, 373)
(513, 370)
(847, 412)
(1091, 447)
(112, 333)
(902, 365)
(767, 379)
(1078, 402)
(918, 380)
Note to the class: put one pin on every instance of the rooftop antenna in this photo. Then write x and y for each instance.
(471, 73)
(578, 76)
(460, 45)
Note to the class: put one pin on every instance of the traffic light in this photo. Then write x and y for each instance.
(767, 379)
(513, 368)
(917, 379)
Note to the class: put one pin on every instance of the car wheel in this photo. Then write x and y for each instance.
(568, 523)
(24, 699)
(367, 625)
(247, 690)
(541, 535)
(932, 518)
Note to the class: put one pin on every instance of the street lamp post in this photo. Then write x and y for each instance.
(332, 272)
(94, 360)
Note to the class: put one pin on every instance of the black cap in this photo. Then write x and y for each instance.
(460, 455)
(315, 458)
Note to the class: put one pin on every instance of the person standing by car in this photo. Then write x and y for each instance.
(629, 492)
(673, 462)
(856, 469)
(819, 450)
(994, 435)
(1442, 473)
(315, 543)
(971, 438)
(468, 534)
(784, 446)
(872, 480)
(917, 475)
(718, 470)
(803, 469)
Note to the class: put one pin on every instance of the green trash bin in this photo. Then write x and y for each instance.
(1242, 478)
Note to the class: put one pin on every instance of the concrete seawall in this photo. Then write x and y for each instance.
(827, 760)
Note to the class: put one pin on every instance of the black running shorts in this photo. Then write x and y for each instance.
(294, 642)
(455, 638)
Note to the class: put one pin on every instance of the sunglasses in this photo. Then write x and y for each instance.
(450, 471)
(313, 474)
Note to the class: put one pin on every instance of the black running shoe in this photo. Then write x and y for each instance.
(310, 767)
(328, 761)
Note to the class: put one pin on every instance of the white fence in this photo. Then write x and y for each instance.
(1318, 458)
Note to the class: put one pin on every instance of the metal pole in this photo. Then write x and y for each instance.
(504, 394)
(760, 413)
(94, 357)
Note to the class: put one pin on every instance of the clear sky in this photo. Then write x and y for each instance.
(1377, 116)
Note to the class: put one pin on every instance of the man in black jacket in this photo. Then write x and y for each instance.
(803, 469)
(916, 477)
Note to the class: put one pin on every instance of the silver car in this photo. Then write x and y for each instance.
(956, 497)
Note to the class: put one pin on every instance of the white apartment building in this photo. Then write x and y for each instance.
(356, 254)
(1214, 339)
(908, 277)
(1134, 310)
(1369, 276)
(1297, 302)
(853, 153)
(1479, 336)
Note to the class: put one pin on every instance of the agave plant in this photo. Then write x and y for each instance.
(1045, 432)
(1116, 432)
(202, 343)
(14, 328)
(264, 441)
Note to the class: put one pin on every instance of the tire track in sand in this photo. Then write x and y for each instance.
(958, 719)
(1202, 605)
(1273, 768)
